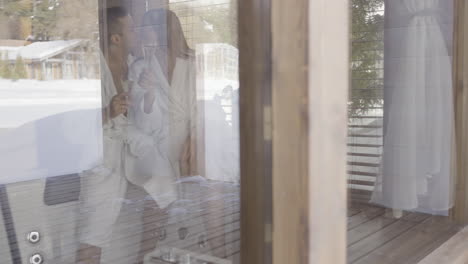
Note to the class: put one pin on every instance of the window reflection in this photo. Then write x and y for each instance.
(401, 128)
(49, 75)
(124, 145)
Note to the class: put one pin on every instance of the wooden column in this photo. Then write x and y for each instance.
(255, 133)
(460, 64)
(310, 84)
(293, 112)
(290, 117)
(329, 43)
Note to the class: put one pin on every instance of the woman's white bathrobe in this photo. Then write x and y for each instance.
(153, 155)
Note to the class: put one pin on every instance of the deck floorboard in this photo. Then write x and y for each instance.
(374, 237)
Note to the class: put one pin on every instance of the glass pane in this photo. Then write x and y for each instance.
(119, 132)
(401, 125)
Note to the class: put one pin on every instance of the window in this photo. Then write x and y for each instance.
(122, 148)
(401, 127)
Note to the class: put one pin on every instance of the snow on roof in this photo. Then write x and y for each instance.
(39, 50)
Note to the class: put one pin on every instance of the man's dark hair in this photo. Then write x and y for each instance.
(113, 24)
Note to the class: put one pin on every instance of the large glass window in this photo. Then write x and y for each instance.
(120, 132)
(401, 130)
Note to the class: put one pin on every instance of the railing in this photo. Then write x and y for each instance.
(365, 127)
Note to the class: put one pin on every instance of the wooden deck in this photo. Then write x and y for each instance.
(375, 238)
(372, 236)
(453, 251)
(207, 224)
(216, 214)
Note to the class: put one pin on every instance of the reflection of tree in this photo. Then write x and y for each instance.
(51, 19)
(44, 19)
(40, 15)
(213, 23)
(5, 71)
(19, 71)
(77, 20)
(367, 54)
(221, 21)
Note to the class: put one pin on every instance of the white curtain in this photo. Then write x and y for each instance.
(415, 171)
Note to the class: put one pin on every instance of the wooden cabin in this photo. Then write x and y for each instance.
(52, 60)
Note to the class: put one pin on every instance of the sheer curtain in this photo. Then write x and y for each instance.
(415, 171)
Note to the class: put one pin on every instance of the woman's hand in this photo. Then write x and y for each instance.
(148, 81)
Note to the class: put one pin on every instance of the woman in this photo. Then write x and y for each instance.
(162, 113)
(162, 108)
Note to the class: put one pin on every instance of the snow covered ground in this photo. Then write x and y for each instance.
(49, 128)
(24, 101)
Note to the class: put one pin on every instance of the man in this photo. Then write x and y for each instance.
(108, 231)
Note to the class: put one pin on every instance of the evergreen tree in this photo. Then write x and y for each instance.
(45, 19)
(2, 65)
(42, 14)
(5, 71)
(19, 71)
(366, 55)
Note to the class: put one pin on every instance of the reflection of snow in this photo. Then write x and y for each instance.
(217, 67)
(60, 144)
(209, 88)
(221, 143)
(52, 128)
(28, 100)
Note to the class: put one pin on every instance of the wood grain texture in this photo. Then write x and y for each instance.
(328, 89)
(290, 119)
(365, 215)
(308, 162)
(405, 242)
(254, 94)
(378, 238)
(362, 231)
(453, 251)
(460, 62)
(373, 242)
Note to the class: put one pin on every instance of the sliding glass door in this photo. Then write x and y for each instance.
(120, 132)
(401, 142)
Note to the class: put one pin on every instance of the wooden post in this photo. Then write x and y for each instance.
(255, 141)
(310, 84)
(460, 64)
(329, 24)
(290, 118)
(293, 110)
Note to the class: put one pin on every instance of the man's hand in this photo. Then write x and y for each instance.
(119, 105)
